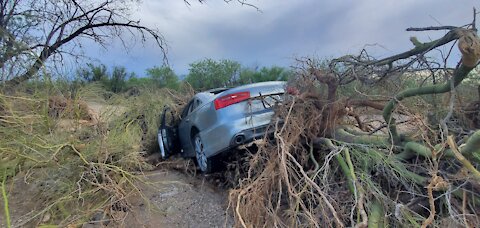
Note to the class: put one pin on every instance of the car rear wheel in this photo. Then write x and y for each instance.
(204, 163)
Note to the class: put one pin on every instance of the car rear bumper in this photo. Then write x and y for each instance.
(250, 135)
(247, 136)
(227, 137)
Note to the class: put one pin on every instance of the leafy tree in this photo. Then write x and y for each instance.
(163, 77)
(208, 74)
(274, 73)
(117, 81)
(138, 82)
(93, 73)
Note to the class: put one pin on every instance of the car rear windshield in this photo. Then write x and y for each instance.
(217, 91)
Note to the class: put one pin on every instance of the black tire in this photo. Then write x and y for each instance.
(204, 163)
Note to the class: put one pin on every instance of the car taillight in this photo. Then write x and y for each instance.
(230, 99)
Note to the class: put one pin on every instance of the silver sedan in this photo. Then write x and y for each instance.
(218, 120)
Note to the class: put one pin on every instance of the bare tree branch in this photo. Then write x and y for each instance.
(430, 28)
(47, 26)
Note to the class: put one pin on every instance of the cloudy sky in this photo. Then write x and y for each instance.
(281, 30)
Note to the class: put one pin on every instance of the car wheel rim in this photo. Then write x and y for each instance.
(201, 157)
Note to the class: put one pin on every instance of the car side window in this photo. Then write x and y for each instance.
(198, 102)
(193, 106)
(185, 111)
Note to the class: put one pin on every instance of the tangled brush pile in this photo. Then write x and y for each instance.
(324, 169)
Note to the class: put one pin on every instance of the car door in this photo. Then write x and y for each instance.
(184, 129)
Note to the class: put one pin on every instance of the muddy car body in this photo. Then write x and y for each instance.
(218, 120)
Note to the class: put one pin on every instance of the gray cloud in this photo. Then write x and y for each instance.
(283, 30)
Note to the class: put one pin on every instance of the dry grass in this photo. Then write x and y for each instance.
(82, 163)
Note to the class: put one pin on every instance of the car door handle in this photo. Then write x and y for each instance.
(187, 120)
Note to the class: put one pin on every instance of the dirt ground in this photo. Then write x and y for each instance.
(178, 200)
(173, 199)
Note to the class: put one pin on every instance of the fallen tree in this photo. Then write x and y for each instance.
(328, 168)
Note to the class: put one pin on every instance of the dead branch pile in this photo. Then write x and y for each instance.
(326, 168)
